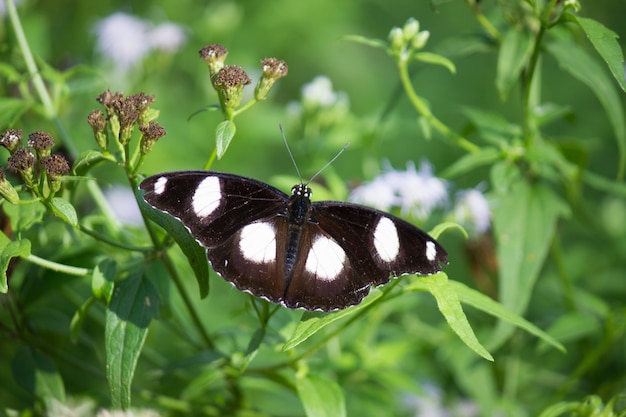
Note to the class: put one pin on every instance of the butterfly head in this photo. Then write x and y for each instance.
(301, 190)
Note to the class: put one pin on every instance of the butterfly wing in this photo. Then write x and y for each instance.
(235, 218)
(212, 205)
(379, 245)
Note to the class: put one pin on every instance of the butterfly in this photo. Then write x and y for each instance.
(318, 256)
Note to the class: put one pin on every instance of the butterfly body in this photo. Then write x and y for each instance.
(318, 256)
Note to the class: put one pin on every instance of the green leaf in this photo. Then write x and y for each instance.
(605, 42)
(515, 52)
(196, 254)
(76, 324)
(524, 221)
(23, 216)
(64, 210)
(450, 306)
(436, 59)
(9, 250)
(312, 322)
(103, 280)
(37, 374)
(483, 303)
(604, 184)
(134, 304)
(321, 397)
(224, 134)
(485, 156)
(436, 231)
(584, 68)
(88, 160)
(374, 43)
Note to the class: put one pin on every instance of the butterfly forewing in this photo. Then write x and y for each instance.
(320, 256)
(212, 205)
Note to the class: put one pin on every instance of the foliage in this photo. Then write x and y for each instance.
(98, 313)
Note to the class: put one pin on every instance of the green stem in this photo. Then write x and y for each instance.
(102, 238)
(566, 282)
(55, 266)
(422, 108)
(243, 108)
(37, 80)
(529, 126)
(211, 159)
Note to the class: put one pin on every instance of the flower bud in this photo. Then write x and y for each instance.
(229, 83)
(215, 56)
(11, 139)
(41, 142)
(410, 29)
(150, 132)
(55, 166)
(23, 161)
(7, 191)
(98, 123)
(420, 39)
(273, 69)
(396, 40)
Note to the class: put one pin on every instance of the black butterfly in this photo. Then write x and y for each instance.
(318, 256)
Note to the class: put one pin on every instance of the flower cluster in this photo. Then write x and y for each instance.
(123, 116)
(40, 170)
(403, 42)
(230, 80)
(417, 193)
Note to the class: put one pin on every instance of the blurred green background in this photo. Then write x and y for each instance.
(307, 36)
(381, 126)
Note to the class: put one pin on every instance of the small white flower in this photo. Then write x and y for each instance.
(124, 205)
(472, 209)
(122, 38)
(168, 37)
(376, 194)
(126, 40)
(319, 92)
(420, 191)
(417, 193)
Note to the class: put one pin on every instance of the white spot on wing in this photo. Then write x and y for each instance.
(258, 243)
(207, 197)
(386, 239)
(325, 259)
(431, 251)
(159, 185)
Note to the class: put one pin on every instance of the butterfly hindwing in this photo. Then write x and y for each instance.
(378, 244)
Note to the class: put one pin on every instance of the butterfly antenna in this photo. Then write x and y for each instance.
(280, 125)
(329, 162)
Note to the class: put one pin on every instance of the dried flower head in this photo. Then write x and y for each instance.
(22, 159)
(41, 142)
(215, 56)
(151, 132)
(111, 101)
(11, 139)
(98, 123)
(273, 69)
(229, 83)
(55, 165)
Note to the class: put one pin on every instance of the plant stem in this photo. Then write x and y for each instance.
(422, 108)
(55, 266)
